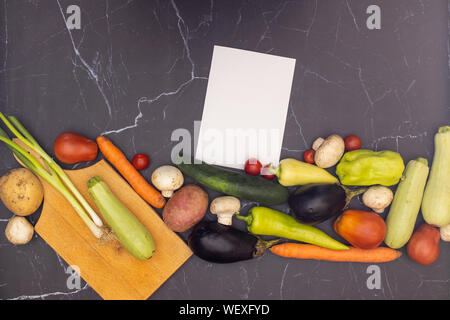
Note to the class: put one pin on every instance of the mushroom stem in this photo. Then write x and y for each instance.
(225, 218)
(167, 193)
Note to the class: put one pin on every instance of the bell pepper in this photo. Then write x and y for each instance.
(367, 167)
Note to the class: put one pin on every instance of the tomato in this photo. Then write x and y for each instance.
(267, 173)
(308, 156)
(72, 148)
(141, 161)
(253, 167)
(352, 142)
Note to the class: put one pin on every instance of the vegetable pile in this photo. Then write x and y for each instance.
(317, 196)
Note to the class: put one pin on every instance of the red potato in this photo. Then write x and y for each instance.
(185, 208)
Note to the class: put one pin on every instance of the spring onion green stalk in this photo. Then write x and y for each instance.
(53, 173)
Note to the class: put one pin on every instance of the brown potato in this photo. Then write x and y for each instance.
(186, 208)
(21, 191)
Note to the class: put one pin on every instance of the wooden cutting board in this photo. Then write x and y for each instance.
(109, 269)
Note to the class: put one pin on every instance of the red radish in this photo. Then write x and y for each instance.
(253, 167)
(352, 142)
(267, 173)
(308, 156)
(141, 161)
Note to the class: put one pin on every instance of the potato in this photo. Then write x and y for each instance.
(186, 208)
(19, 230)
(21, 191)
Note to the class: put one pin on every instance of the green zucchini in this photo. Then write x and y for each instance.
(436, 200)
(130, 232)
(238, 184)
(406, 204)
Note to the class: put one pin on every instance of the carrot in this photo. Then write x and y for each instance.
(307, 251)
(126, 169)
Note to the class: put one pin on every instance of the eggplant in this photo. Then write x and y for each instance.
(314, 203)
(218, 243)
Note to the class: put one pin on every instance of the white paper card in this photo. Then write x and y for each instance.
(245, 109)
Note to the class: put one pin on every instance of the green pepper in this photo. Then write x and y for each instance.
(269, 222)
(367, 167)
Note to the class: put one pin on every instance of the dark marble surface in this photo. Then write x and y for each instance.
(137, 70)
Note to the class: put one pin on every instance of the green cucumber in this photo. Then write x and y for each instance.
(238, 184)
(130, 232)
(405, 207)
(436, 200)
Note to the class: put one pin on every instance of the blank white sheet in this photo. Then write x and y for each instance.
(245, 109)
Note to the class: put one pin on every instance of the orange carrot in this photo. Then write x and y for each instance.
(126, 169)
(307, 251)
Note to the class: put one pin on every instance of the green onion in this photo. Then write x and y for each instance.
(53, 174)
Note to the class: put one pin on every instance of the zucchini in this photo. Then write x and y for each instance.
(130, 232)
(238, 184)
(405, 207)
(436, 200)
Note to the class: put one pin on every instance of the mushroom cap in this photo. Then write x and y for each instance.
(167, 178)
(19, 230)
(225, 204)
(378, 197)
(330, 151)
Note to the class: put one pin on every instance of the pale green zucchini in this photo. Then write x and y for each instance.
(132, 234)
(436, 200)
(406, 204)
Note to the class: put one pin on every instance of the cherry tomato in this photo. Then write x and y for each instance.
(253, 167)
(141, 161)
(308, 156)
(352, 142)
(266, 173)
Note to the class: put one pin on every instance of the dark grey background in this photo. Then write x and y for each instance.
(138, 70)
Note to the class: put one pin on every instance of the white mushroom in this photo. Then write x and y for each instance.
(19, 230)
(328, 151)
(317, 143)
(225, 207)
(167, 179)
(378, 198)
(445, 233)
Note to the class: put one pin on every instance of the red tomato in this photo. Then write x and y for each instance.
(266, 173)
(253, 167)
(308, 156)
(140, 161)
(352, 142)
(71, 148)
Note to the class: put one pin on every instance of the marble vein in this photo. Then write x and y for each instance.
(89, 69)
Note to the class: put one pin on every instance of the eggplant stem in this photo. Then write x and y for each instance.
(350, 194)
(262, 246)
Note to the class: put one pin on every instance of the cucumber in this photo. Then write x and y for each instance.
(436, 200)
(406, 204)
(130, 232)
(238, 184)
